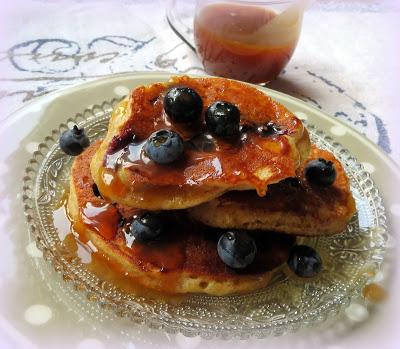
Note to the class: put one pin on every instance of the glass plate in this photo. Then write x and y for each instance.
(285, 306)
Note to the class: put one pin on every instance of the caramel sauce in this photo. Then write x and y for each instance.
(251, 160)
(206, 159)
(185, 247)
(66, 230)
(188, 245)
(166, 254)
(229, 41)
(120, 141)
(99, 265)
(103, 219)
(61, 221)
(110, 183)
(374, 293)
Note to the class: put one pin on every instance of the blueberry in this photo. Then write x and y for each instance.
(236, 249)
(182, 104)
(164, 147)
(74, 141)
(304, 261)
(246, 128)
(320, 172)
(222, 119)
(270, 129)
(146, 227)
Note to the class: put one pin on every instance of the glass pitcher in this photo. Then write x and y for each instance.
(247, 40)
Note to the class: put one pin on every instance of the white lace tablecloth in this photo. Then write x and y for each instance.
(346, 64)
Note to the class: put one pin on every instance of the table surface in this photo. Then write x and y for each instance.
(344, 63)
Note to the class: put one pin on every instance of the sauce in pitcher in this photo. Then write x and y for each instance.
(245, 42)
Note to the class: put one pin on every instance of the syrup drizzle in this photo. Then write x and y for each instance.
(167, 253)
(103, 219)
(375, 293)
(261, 154)
(206, 158)
(178, 249)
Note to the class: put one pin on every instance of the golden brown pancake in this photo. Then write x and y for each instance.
(302, 209)
(184, 260)
(124, 175)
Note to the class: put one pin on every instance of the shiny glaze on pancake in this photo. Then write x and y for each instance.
(184, 260)
(94, 211)
(303, 209)
(126, 176)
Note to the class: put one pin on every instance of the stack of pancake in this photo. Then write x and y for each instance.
(257, 185)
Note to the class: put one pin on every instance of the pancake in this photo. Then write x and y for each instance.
(125, 176)
(184, 260)
(300, 209)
